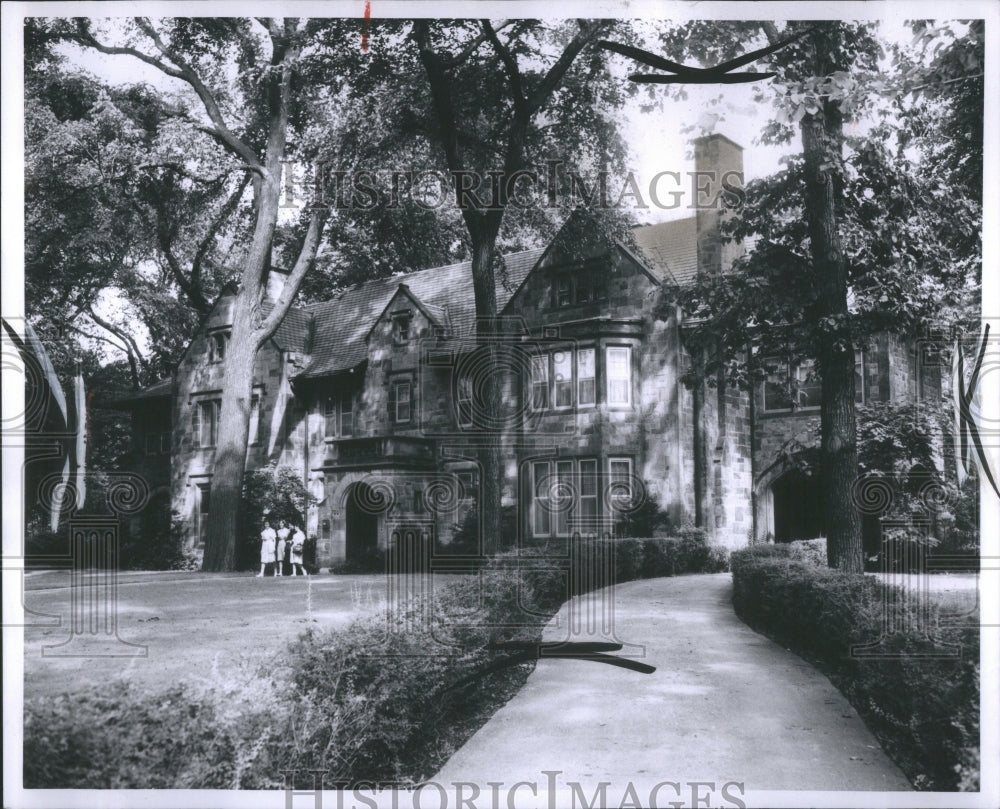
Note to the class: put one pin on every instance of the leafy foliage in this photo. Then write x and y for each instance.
(647, 520)
(906, 446)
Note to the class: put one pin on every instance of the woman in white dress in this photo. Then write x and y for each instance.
(268, 548)
(298, 540)
(283, 542)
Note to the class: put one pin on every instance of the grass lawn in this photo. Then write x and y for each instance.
(190, 623)
(956, 593)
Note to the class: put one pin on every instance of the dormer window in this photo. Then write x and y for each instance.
(401, 328)
(586, 284)
(218, 342)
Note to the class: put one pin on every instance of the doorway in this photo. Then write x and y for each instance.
(798, 507)
(362, 524)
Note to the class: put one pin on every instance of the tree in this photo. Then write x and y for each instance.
(850, 238)
(103, 165)
(245, 88)
(500, 96)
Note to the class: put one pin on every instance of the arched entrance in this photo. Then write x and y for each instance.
(361, 523)
(798, 506)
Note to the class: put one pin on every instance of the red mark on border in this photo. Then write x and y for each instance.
(364, 27)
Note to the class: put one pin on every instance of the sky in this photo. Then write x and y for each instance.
(660, 139)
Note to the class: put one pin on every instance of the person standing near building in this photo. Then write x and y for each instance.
(268, 548)
(284, 547)
(298, 540)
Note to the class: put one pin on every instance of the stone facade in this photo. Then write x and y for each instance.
(374, 397)
(888, 369)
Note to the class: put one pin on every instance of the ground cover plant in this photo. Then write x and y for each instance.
(916, 682)
(386, 699)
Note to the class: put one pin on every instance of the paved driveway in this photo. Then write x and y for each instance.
(725, 704)
(187, 622)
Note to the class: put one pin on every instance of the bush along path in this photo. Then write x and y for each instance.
(385, 699)
(911, 669)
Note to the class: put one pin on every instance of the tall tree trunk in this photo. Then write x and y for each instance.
(245, 339)
(231, 444)
(822, 142)
(491, 457)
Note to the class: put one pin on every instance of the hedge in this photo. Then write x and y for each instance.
(376, 701)
(923, 707)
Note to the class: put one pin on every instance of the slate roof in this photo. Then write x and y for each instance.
(294, 332)
(333, 333)
(341, 325)
(670, 248)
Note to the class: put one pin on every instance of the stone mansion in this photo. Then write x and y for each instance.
(371, 397)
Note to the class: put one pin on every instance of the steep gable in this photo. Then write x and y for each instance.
(342, 324)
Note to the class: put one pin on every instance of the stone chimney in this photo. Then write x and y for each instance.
(717, 195)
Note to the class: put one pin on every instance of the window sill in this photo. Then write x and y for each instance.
(562, 411)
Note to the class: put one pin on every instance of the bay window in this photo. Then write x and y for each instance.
(401, 401)
(562, 374)
(338, 414)
(620, 483)
(619, 372)
(540, 382)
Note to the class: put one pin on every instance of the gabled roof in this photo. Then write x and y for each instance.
(670, 248)
(342, 324)
(404, 291)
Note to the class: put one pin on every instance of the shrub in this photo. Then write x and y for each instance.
(647, 520)
(376, 701)
(924, 709)
(811, 551)
(159, 542)
(235, 732)
(415, 682)
(44, 547)
(465, 538)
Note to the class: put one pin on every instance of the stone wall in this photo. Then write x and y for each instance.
(279, 434)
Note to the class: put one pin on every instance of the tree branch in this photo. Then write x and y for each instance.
(189, 75)
(188, 287)
(224, 213)
(85, 37)
(118, 332)
(509, 63)
(587, 34)
(177, 168)
(126, 350)
(444, 108)
(306, 257)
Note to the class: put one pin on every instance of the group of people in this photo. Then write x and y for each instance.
(281, 547)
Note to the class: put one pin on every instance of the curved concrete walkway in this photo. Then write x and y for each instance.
(725, 704)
